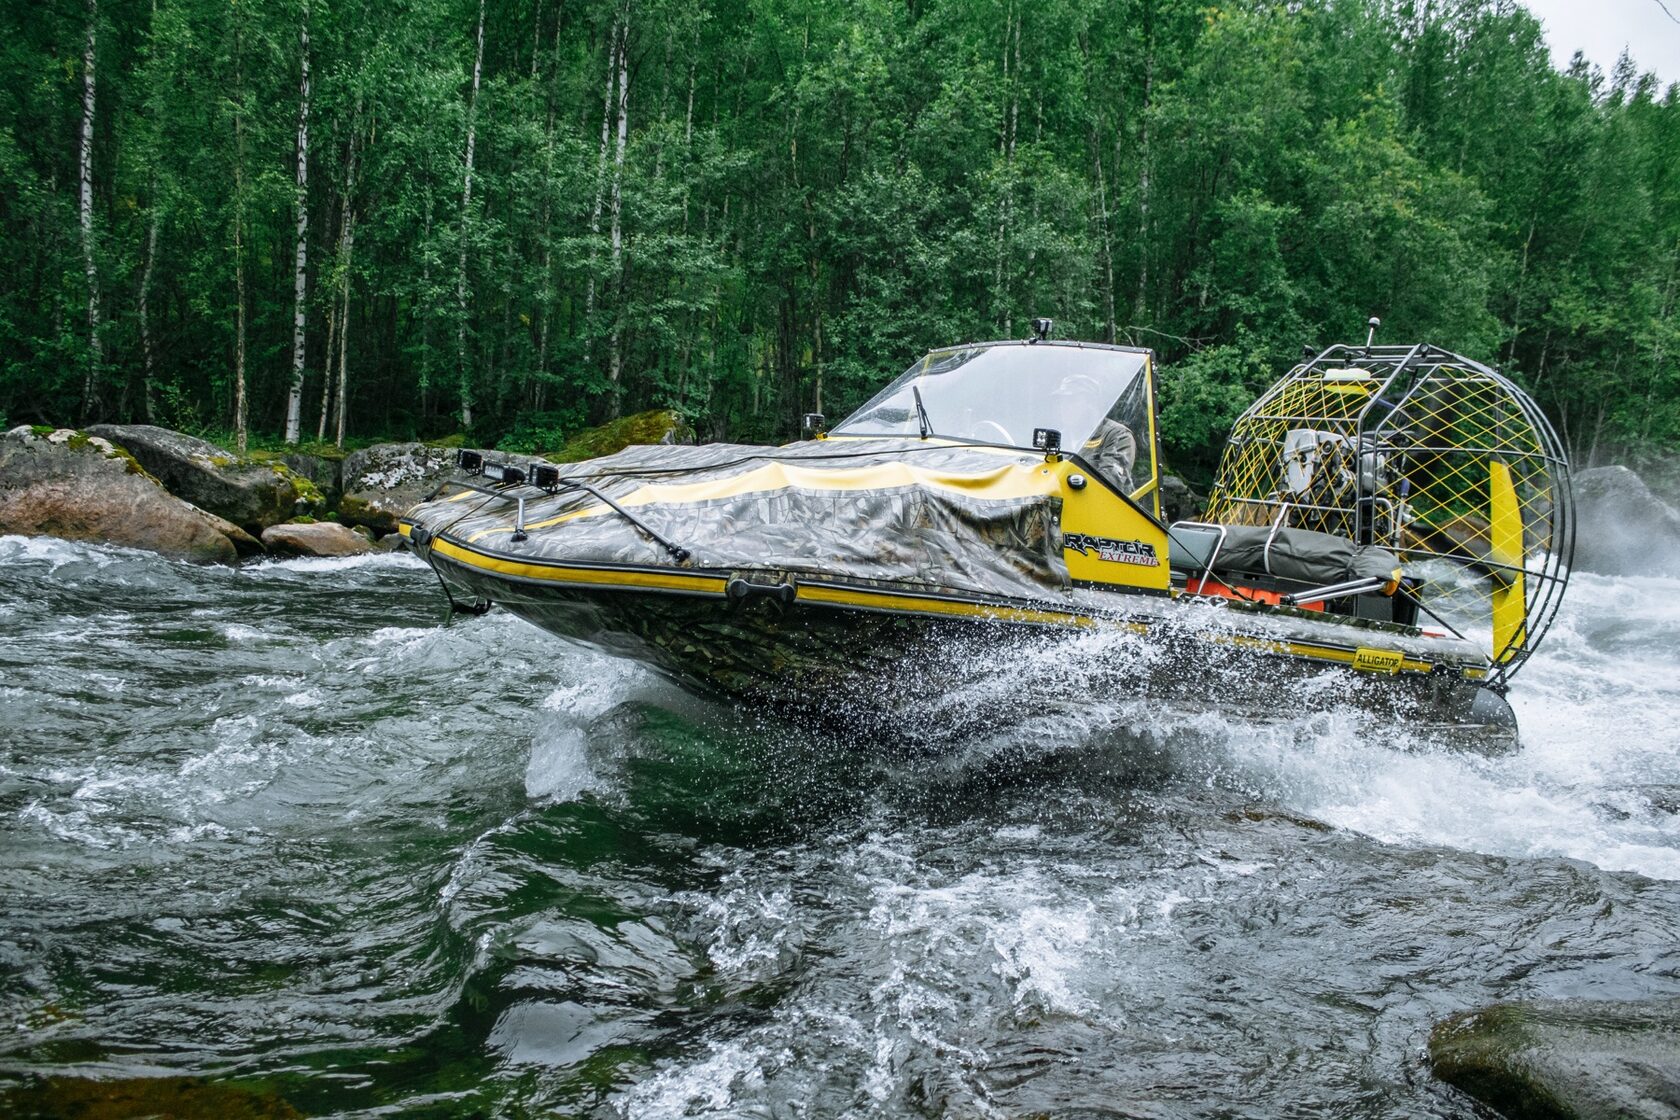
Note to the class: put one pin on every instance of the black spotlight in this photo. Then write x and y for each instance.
(470, 461)
(504, 472)
(1041, 328)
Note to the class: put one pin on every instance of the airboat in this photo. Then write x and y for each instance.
(1390, 529)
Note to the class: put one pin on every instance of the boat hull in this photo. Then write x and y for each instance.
(922, 671)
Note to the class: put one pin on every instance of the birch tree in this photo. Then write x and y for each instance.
(300, 255)
(240, 408)
(466, 226)
(96, 350)
(616, 358)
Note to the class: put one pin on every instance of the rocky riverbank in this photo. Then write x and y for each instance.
(151, 488)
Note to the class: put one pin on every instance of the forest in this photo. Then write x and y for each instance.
(330, 220)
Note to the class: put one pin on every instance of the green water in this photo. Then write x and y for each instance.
(276, 842)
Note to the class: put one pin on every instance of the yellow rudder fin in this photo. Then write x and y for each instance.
(1505, 540)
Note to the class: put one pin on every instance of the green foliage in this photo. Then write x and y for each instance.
(808, 197)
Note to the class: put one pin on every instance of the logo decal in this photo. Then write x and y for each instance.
(1107, 548)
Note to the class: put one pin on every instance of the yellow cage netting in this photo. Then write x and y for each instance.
(1438, 458)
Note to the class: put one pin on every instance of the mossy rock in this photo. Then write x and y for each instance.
(252, 494)
(1585, 1060)
(183, 1098)
(658, 426)
(80, 486)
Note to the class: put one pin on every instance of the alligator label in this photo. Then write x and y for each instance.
(1107, 548)
(1368, 660)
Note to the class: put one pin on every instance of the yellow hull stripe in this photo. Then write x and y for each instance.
(586, 577)
(1009, 481)
(695, 583)
(887, 601)
(1315, 652)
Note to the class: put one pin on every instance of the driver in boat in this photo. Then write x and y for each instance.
(1112, 448)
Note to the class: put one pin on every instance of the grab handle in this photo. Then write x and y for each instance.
(740, 590)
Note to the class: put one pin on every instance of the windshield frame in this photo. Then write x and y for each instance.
(1018, 394)
(919, 415)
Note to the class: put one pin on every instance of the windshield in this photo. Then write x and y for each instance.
(999, 393)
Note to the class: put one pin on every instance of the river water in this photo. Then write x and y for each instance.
(280, 832)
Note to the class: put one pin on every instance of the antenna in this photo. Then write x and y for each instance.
(1373, 322)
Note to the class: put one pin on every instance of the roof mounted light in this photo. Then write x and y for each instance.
(472, 462)
(1041, 328)
(505, 473)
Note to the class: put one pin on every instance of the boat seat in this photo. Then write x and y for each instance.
(1193, 547)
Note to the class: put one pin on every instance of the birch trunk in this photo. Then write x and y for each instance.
(294, 400)
(1006, 144)
(547, 309)
(466, 220)
(326, 370)
(146, 385)
(1107, 238)
(614, 365)
(600, 187)
(239, 407)
(344, 328)
(96, 350)
(1143, 164)
(341, 276)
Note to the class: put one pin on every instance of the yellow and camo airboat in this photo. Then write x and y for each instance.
(1390, 527)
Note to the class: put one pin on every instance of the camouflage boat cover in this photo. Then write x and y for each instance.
(906, 512)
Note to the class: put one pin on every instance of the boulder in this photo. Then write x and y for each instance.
(69, 484)
(1582, 1059)
(1178, 501)
(315, 538)
(250, 493)
(381, 482)
(1622, 528)
(659, 426)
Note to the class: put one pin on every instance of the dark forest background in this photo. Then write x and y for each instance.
(521, 217)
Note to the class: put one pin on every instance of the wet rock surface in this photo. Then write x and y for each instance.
(79, 487)
(326, 472)
(381, 482)
(1560, 1061)
(251, 494)
(319, 538)
(1624, 528)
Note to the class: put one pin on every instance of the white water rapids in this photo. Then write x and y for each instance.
(278, 826)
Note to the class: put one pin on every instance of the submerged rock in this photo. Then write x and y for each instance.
(250, 493)
(1623, 528)
(185, 1098)
(1556, 1061)
(79, 487)
(318, 538)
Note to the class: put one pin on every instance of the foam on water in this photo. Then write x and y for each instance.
(289, 809)
(1599, 709)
